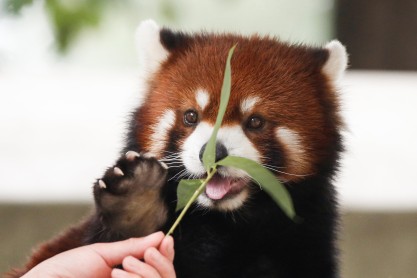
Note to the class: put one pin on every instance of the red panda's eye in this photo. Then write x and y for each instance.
(190, 117)
(255, 122)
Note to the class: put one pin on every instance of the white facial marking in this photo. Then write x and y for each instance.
(159, 136)
(236, 143)
(150, 50)
(225, 205)
(232, 137)
(337, 62)
(192, 146)
(202, 98)
(235, 202)
(248, 104)
(293, 144)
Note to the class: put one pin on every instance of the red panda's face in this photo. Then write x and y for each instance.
(282, 111)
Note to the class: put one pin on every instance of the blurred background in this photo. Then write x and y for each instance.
(68, 77)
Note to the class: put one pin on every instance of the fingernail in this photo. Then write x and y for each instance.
(157, 234)
(115, 273)
(129, 260)
(170, 245)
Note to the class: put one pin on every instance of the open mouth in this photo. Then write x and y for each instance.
(220, 187)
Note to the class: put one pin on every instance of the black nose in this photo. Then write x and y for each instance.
(221, 151)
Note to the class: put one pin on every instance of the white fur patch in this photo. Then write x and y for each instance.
(248, 104)
(192, 146)
(232, 137)
(225, 205)
(150, 50)
(159, 136)
(202, 98)
(337, 62)
(294, 146)
(236, 143)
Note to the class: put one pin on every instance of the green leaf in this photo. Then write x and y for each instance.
(209, 155)
(185, 191)
(15, 6)
(266, 179)
(191, 196)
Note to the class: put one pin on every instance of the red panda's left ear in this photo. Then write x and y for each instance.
(155, 44)
(337, 61)
(151, 52)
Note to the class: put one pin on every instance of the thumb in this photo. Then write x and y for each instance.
(113, 253)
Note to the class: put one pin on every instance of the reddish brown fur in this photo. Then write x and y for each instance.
(263, 67)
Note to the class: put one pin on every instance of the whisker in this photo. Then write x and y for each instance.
(277, 169)
(178, 174)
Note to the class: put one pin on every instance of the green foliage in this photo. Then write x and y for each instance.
(69, 19)
(265, 179)
(168, 10)
(185, 191)
(15, 6)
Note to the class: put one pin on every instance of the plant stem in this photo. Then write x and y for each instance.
(210, 174)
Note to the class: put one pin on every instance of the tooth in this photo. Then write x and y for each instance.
(131, 155)
(101, 184)
(164, 165)
(118, 172)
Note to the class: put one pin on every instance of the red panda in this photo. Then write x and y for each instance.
(283, 113)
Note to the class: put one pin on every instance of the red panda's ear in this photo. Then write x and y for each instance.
(151, 52)
(174, 41)
(155, 44)
(336, 62)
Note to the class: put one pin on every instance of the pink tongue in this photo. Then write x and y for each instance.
(218, 187)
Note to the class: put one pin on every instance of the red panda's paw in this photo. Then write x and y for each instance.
(129, 195)
(133, 173)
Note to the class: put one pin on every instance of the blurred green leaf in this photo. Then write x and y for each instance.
(69, 19)
(267, 180)
(15, 6)
(168, 10)
(209, 155)
(185, 191)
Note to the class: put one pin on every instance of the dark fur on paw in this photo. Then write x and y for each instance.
(129, 197)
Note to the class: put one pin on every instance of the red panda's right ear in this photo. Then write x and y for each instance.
(337, 61)
(151, 52)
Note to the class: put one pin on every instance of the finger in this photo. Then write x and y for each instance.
(135, 266)
(167, 248)
(114, 253)
(161, 263)
(118, 273)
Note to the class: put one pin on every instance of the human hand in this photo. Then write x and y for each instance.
(158, 263)
(99, 259)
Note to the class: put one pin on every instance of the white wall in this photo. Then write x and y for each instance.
(59, 130)
(379, 168)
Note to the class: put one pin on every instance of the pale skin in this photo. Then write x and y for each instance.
(147, 257)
